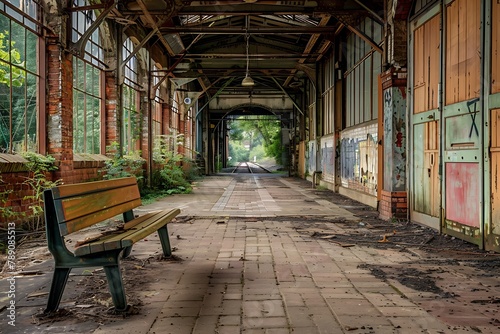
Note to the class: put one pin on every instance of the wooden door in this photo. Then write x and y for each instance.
(425, 181)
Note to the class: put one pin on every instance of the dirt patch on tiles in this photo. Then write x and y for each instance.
(91, 299)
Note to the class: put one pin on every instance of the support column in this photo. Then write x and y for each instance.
(393, 203)
(60, 108)
(111, 112)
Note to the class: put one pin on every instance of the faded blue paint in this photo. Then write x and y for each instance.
(328, 159)
(395, 139)
(359, 159)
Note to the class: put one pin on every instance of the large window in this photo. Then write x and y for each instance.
(156, 108)
(86, 107)
(131, 99)
(19, 76)
(363, 66)
(87, 91)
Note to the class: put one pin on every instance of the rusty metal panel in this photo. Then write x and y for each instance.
(462, 193)
(495, 47)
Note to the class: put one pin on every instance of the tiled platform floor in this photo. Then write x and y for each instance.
(245, 266)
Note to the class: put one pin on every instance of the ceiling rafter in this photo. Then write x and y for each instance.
(154, 25)
(312, 41)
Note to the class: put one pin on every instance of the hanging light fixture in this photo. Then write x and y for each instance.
(247, 80)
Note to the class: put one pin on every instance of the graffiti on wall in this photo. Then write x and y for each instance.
(311, 157)
(328, 159)
(395, 139)
(359, 159)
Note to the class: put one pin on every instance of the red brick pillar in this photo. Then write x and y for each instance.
(60, 108)
(393, 203)
(111, 112)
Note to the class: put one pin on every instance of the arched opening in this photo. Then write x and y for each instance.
(251, 135)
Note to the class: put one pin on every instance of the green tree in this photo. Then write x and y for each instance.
(8, 53)
(254, 133)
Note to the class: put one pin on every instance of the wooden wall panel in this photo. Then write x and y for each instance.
(434, 66)
(426, 197)
(426, 66)
(495, 47)
(463, 46)
(452, 52)
(473, 63)
(462, 53)
(418, 54)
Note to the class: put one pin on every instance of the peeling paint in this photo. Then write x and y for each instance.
(359, 158)
(395, 139)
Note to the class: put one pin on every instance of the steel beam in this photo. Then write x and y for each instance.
(251, 30)
(79, 46)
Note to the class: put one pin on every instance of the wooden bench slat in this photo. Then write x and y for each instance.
(91, 187)
(79, 206)
(149, 229)
(114, 242)
(147, 224)
(83, 222)
(70, 208)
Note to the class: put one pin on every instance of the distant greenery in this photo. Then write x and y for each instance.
(18, 87)
(259, 138)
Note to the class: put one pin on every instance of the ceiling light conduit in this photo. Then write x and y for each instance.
(247, 81)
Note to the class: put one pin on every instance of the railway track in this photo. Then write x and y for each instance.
(249, 168)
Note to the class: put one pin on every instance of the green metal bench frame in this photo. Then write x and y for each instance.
(70, 208)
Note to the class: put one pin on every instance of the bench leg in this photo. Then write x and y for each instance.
(165, 242)
(116, 287)
(57, 288)
(126, 252)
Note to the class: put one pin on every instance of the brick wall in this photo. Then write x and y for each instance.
(393, 205)
(14, 183)
(110, 106)
(60, 109)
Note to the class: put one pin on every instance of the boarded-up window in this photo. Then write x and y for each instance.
(462, 50)
(495, 47)
(426, 66)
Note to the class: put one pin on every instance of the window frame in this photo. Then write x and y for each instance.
(28, 19)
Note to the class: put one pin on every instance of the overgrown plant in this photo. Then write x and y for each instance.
(5, 211)
(123, 165)
(172, 177)
(39, 167)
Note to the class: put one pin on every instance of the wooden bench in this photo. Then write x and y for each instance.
(70, 208)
